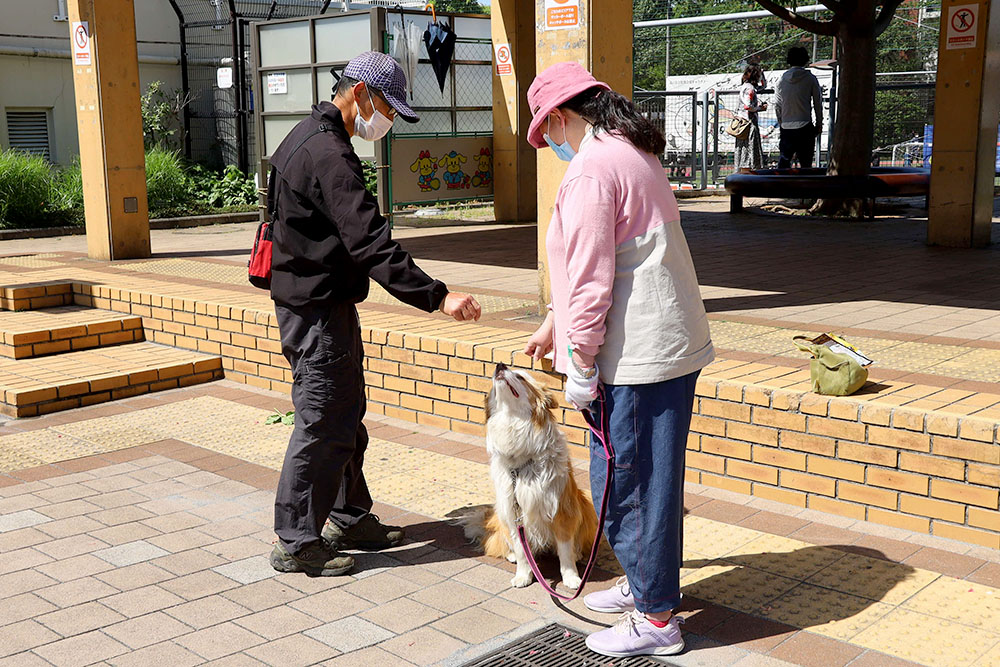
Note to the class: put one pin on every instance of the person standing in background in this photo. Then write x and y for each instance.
(797, 88)
(749, 153)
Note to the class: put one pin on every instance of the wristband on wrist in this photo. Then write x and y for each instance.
(586, 373)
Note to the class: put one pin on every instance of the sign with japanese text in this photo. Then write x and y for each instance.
(962, 28)
(505, 63)
(562, 14)
(277, 83)
(80, 38)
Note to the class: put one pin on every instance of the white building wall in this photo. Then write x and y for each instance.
(46, 82)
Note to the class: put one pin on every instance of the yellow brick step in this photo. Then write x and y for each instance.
(41, 385)
(35, 295)
(35, 333)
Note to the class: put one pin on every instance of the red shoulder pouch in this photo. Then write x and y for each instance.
(259, 267)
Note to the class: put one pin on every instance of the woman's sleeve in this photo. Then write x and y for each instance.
(589, 212)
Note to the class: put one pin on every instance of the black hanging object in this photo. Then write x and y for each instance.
(440, 49)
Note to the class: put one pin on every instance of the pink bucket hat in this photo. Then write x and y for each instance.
(557, 84)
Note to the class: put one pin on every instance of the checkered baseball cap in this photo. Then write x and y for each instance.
(384, 74)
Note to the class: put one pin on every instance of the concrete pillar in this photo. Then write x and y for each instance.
(967, 105)
(602, 42)
(106, 81)
(513, 23)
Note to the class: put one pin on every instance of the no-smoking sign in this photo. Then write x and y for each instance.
(962, 28)
(505, 62)
(80, 36)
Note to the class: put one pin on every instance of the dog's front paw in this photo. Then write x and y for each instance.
(521, 580)
(511, 558)
(571, 581)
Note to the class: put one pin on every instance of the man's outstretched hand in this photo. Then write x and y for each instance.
(460, 306)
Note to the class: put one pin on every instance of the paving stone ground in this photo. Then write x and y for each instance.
(153, 549)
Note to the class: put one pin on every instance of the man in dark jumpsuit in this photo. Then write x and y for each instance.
(329, 238)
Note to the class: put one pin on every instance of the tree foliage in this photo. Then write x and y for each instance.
(461, 7)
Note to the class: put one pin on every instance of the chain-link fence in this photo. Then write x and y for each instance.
(214, 35)
(710, 56)
(464, 104)
(904, 118)
(676, 114)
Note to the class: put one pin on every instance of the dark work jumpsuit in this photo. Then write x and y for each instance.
(329, 238)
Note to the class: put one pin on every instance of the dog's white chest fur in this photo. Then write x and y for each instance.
(529, 471)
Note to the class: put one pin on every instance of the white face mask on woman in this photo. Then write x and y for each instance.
(375, 127)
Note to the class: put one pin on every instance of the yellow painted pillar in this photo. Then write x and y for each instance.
(106, 81)
(513, 24)
(967, 104)
(601, 41)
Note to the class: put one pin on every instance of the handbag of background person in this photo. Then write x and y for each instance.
(738, 127)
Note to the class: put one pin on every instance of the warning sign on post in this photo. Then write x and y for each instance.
(79, 33)
(562, 14)
(505, 63)
(962, 28)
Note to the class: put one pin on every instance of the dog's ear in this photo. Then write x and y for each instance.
(543, 404)
(550, 400)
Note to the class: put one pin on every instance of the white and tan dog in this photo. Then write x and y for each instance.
(529, 464)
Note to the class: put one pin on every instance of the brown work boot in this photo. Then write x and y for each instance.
(319, 560)
(368, 534)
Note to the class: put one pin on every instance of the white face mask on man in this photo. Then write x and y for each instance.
(373, 128)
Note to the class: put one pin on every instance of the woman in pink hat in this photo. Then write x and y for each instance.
(626, 314)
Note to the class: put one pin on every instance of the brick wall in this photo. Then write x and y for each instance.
(924, 470)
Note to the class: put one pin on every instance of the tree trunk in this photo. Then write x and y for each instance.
(855, 122)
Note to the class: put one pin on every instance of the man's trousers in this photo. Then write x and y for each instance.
(322, 473)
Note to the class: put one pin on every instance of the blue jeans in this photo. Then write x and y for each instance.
(648, 428)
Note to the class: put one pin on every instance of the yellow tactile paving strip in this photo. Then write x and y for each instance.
(911, 613)
(38, 261)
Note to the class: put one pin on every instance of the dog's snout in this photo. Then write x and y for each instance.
(501, 367)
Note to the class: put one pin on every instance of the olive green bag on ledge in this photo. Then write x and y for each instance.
(832, 373)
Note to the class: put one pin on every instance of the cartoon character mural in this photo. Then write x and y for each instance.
(484, 169)
(426, 168)
(454, 176)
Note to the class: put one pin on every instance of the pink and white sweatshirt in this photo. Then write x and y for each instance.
(623, 284)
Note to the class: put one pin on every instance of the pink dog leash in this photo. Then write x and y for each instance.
(601, 431)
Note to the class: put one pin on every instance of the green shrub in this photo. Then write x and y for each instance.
(371, 176)
(166, 182)
(68, 185)
(161, 116)
(26, 190)
(228, 189)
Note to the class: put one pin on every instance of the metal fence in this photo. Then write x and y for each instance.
(465, 105)
(903, 136)
(216, 34)
(677, 116)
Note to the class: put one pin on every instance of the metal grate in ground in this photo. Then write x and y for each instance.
(556, 646)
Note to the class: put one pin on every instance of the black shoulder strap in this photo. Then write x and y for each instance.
(275, 172)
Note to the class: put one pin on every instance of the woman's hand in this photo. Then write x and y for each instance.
(540, 342)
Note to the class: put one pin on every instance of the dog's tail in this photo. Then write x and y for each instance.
(473, 522)
(482, 526)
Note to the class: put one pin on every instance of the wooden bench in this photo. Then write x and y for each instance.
(816, 184)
